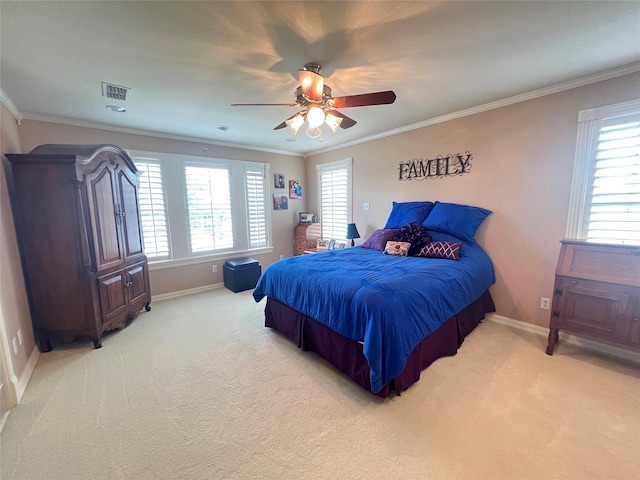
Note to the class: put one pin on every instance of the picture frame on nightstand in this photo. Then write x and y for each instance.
(304, 217)
(322, 244)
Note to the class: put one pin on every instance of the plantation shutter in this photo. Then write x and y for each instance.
(256, 208)
(153, 212)
(613, 207)
(209, 208)
(334, 182)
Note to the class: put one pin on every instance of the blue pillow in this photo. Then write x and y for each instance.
(461, 221)
(404, 213)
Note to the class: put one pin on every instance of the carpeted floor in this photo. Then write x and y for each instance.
(199, 389)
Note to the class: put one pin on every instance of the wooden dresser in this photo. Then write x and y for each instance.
(305, 237)
(597, 293)
(81, 240)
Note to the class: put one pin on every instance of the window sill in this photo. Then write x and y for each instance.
(184, 262)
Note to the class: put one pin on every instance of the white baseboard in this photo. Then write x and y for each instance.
(621, 352)
(18, 386)
(27, 371)
(182, 293)
(4, 417)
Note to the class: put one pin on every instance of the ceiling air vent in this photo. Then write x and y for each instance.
(115, 92)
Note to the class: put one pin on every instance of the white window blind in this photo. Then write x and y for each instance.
(153, 212)
(604, 205)
(334, 187)
(256, 208)
(209, 208)
(614, 210)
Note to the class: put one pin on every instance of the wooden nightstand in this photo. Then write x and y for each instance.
(305, 237)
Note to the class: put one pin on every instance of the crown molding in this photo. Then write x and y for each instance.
(134, 131)
(6, 101)
(561, 87)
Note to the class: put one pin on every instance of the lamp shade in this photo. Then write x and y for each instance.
(352, 232)
(295, 123)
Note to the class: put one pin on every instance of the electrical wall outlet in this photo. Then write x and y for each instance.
(545, 303)
(214, 268)
(365, 206)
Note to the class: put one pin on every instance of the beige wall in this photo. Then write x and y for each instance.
(34, 133)
(14, 306)
(521, 170)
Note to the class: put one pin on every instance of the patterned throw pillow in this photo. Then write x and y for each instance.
(449, 250)
(397, 248)
(415, 234)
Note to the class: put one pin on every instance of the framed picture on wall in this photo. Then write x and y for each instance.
(295, 189)
(280, 201)
(278, 180)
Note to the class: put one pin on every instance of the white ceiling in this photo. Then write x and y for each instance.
(186, 62)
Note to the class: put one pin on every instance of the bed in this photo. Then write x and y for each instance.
(380, 319)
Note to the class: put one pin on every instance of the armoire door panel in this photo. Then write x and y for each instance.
(104, 209)
(137, 282)
(132, 234)
(112, 294)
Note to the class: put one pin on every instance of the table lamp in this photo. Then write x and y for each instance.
(352, 232)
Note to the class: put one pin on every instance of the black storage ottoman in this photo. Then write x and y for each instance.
(241, 274)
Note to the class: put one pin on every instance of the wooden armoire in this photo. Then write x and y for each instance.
(78, 223)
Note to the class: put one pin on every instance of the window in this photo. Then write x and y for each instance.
(334, 191)
(210, 217)
(256, 207)
(193, 208)
(605, 198)
(153, 213)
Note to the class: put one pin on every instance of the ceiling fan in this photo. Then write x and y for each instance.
(320, 106)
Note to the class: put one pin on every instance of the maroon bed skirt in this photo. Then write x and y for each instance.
(347, 355)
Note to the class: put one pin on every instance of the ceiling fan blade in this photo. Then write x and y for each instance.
(265, 105)
(346, 121)
(364, 100)
(312, 84)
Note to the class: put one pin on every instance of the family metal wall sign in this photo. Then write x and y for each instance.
(441, 166)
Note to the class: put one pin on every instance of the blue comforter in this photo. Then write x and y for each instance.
(387, 302)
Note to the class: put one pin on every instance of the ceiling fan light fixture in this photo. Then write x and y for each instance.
(333, 121)
(314, 132)
(311, 82)
(315, 116)
(295, 123)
